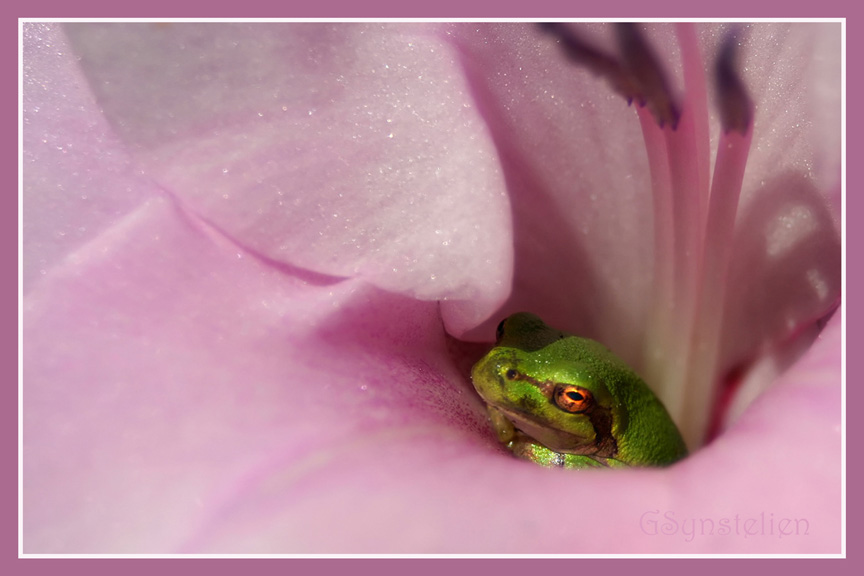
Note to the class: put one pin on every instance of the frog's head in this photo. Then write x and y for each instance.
(533, 378)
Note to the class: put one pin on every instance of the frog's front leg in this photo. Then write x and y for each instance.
(527, 448)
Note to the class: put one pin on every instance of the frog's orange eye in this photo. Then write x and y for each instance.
(574, 399)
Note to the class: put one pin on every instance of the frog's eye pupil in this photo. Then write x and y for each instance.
(511, 374)
(575, 396)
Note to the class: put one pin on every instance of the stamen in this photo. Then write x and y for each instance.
(732, 152)
(681, 205)
(661, 312)
(645, 72)
(637, 75)
(584, 54)
(736, 108)
(696, 96)
(693, 229)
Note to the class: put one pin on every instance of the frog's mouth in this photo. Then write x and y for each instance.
(602, 444)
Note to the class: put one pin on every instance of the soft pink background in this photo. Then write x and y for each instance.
(182, 230)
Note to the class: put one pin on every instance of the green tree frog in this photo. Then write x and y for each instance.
(564, 401)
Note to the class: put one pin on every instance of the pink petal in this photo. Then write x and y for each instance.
(251, 410)
(254, 411)
(352, 150)
(337, 164)
(71, 195)
(168, 373)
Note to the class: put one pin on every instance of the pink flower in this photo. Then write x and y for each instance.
(249, 251)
